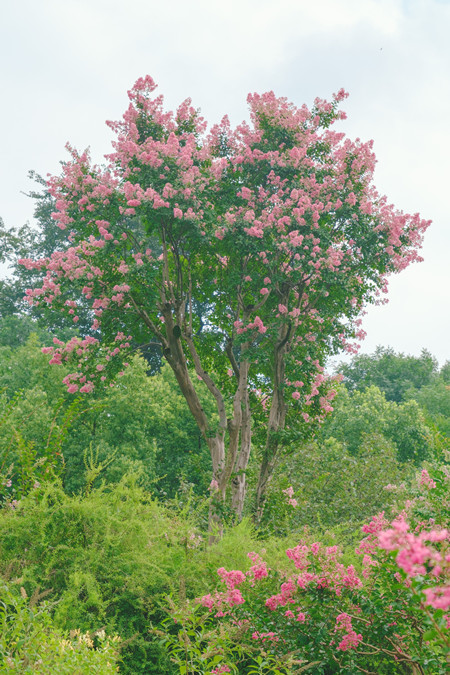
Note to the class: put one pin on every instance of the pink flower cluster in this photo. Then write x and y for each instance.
(351, 639)
(415, 557)
(259, 568)
(425, 479)
(256, 324)
(438, 597)
(284, 597)
(83, 353)
(289, 492)
(223, 601)
(270, 636)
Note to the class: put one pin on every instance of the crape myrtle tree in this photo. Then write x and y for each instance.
(274, 229)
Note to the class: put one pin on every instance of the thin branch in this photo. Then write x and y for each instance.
(231, 357)
(148, 322)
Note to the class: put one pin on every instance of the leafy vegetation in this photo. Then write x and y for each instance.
(30, 642)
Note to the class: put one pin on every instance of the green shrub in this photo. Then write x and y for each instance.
(331, 487)
(111, 558)
(30, 643)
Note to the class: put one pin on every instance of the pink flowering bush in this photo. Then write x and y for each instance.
(387, 612)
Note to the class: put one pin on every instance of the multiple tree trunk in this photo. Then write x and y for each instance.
(230, 442)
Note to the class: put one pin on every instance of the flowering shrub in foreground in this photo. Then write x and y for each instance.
(388, 614)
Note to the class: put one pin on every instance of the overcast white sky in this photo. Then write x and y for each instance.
(67, 65)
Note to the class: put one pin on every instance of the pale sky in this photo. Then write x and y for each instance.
(67, 65)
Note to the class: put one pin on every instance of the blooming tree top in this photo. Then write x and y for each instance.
(274, 228)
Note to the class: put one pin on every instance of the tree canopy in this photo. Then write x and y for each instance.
(393, 373)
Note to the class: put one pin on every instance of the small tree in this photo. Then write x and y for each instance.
(275, 230)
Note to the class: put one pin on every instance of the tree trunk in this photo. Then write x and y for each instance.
(277, 419)
(275, 425)
(216, 446)
(238, 484)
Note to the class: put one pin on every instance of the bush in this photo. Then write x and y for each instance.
(111, 558)
(106, 558)
(331, 487)
(30, 643)
(317, 613)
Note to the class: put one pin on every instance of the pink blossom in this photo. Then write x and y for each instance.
(207, 601)
(343, 622)
(426, 480)
(232, 578)
(350, 579)
(234, 597)
(271, 636)
(87, 388)
(438, 597)
(350, 641)
(283, 598)
(315, 548)
(264, 291)
(377, 523)
(259, 568)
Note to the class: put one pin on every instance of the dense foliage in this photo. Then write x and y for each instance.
(30, 642)
(393, 373)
